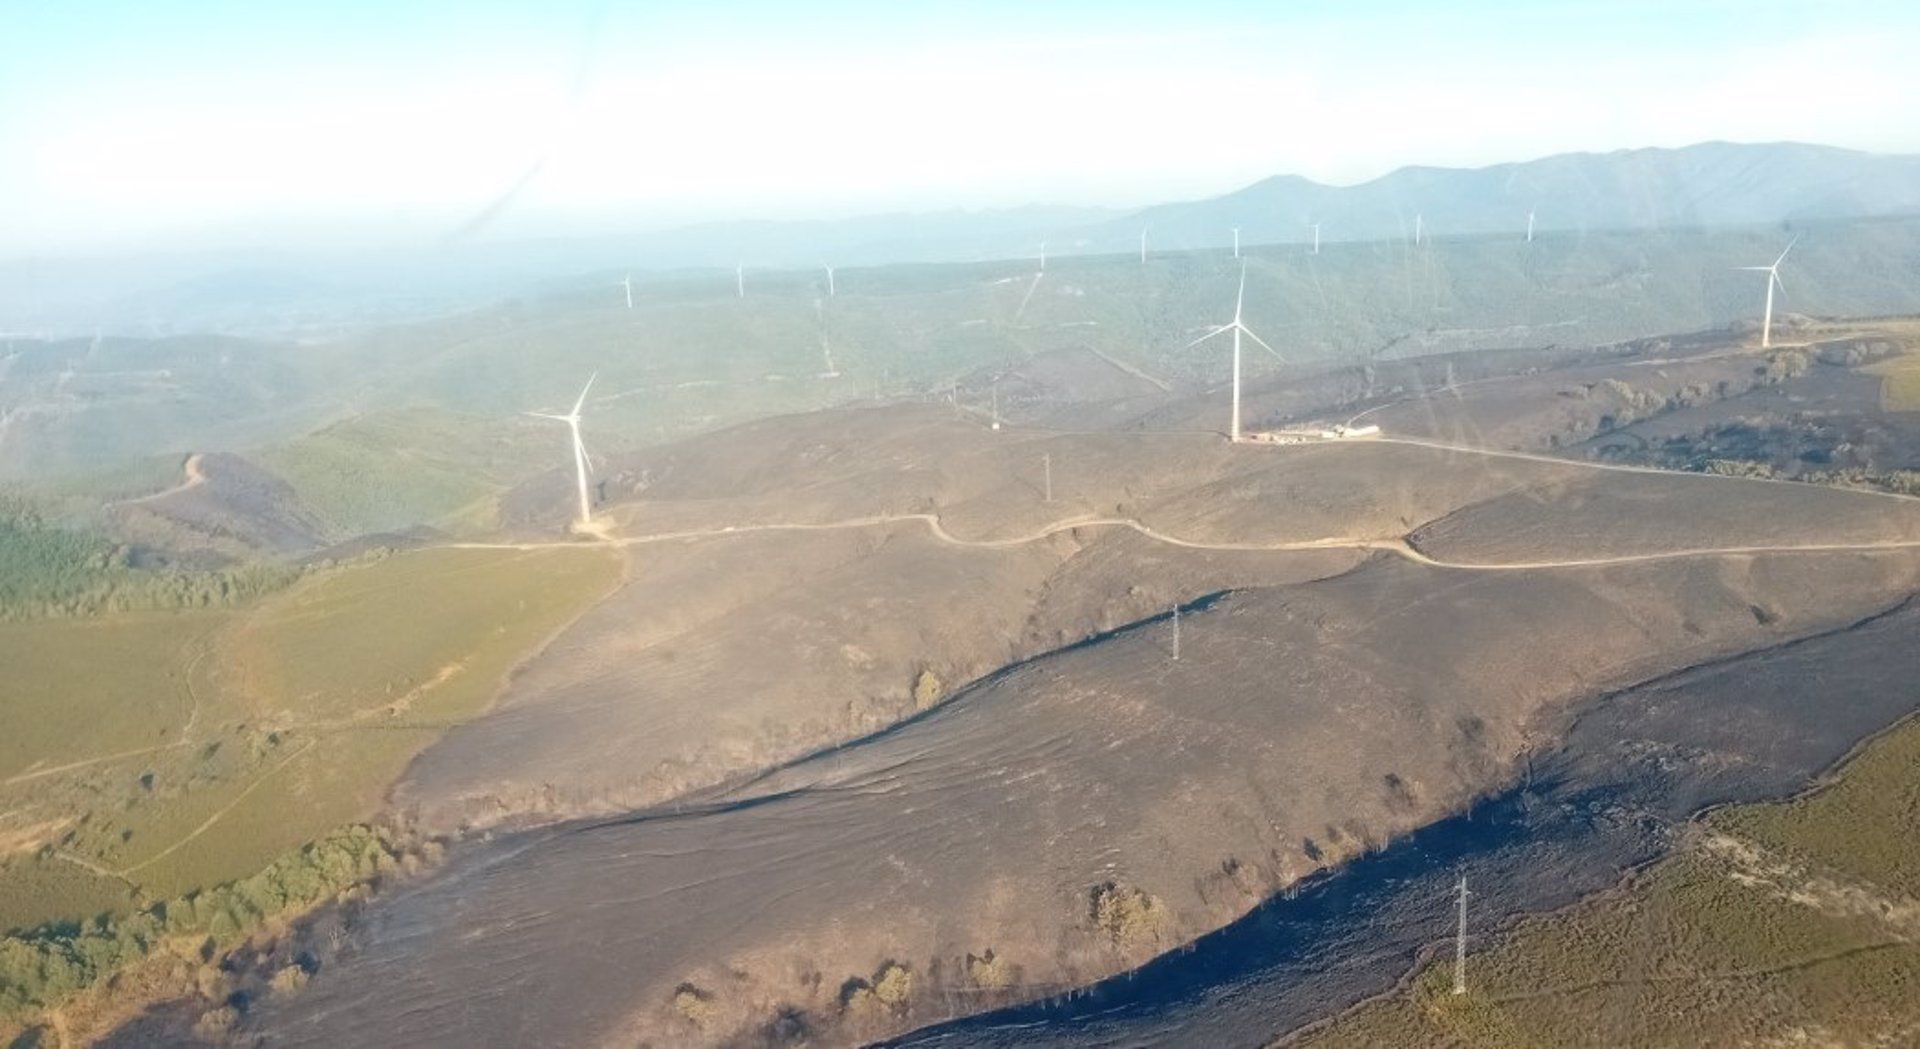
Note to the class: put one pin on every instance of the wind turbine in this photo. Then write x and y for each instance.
(740, 279)
(1043, 256)
(1773, 280)
(1316, 238)
(1236, 242)
(627, 283)
(1143, 245)
(1238, 327)
(572, 419)
(1419, 228)
(829, 282)
(1529, 225)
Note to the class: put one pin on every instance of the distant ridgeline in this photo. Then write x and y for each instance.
(49, 571)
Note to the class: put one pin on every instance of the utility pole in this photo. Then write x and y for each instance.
(1460, 944)
(1046, 463)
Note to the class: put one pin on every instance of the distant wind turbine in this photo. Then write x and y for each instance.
(740, 279)
(1419, 227)
(1236, 242)
(829, 282)
(572, 419)
(1529, 225)
(1238, 327)
(1143, 245)
(1773, 280)
(1043, 256)
(1316, 238)
(627, 283)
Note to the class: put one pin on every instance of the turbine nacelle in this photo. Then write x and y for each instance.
(580, 459)
(1238, 327)
(1773, 281)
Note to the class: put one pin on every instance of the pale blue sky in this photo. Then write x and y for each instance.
(147, 125)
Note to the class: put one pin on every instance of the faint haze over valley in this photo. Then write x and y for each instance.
(198, 126)
(276, 170)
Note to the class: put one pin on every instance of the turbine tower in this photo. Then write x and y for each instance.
(1419, 228)
(1043, 256)
(1460, 944)
(572, 419)
(1529, 225)
(1773, 281)
(1236, 242)
(1238, 327)
(627, 283)
(1316, 238)
(740, 279)
(829, 282)
(1143, 245)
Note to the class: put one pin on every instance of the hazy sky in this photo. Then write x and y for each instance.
(148, 124)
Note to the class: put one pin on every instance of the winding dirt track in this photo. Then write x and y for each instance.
(1398, 546)
(191, 477)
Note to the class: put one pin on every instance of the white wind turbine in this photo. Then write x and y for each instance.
(1529, 225)
(740, 280)
(1419, 228)
(1773, 281)
(829, 282)
(627, 283)
(1316, 238)
(1236, 242)
(572, 419)
(1143, 244)
(1238, 327)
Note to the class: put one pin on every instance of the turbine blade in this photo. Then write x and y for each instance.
(580, 455)
(1789, 247)
(583, 393)
(1248, 332)
(548, 415)
(1756, 269)
(1204, 338)
(1777, 282)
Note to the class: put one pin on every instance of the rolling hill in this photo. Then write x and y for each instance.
(1709, 184)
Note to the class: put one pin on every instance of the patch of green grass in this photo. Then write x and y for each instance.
(207, 744)
(1899, 383)
(81, 688)
(390, 470)
(1791, 921)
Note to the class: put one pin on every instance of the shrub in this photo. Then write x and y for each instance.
(1130, 917)
(215, 1023)
(989, 972)
(693, 1004)
(927, 689)
(288, 980)
(893, 985)
(888, 991)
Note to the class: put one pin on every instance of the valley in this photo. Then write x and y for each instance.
(858, 709)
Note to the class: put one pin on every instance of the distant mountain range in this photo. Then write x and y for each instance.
(1705, 185)
(1711, 184)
